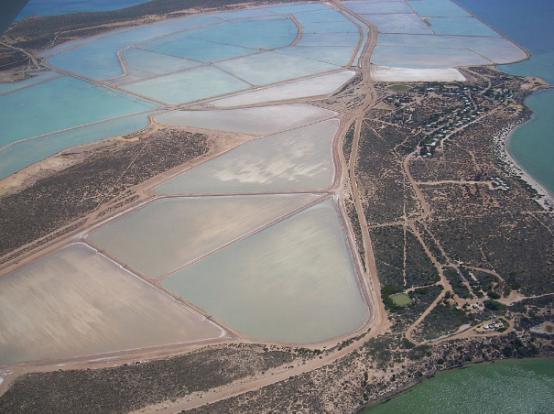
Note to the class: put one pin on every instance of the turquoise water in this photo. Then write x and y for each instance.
(60, 104)
(504, 387)
(191, 85)
(530, 24)
(496, 49)
(58, 7)
(22, 154)
(532, 145)
(143, 63)
(96, 57)
(437, 8)
(185, 46)
(33, 80)
(378, 7)
(460, 26)
(399, 23)
(253, 34)
(170, 62)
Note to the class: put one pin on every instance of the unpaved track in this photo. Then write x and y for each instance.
(378, 322)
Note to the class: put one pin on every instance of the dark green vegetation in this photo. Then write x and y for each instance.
(471, 217)
(401, 260)
(400, 87)
(107, 175)
(444, 319)
(349, 383)
(421, 299)
(347, 143)
(457, 283)
(388, 197)
(130, 387)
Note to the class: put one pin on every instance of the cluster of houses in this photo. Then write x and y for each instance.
(448, 122)
(499, 184)
(444, 123)
(493, 325)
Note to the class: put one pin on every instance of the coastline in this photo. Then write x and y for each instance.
(408, 387)
(502, 140)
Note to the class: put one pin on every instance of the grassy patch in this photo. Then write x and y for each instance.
(401, 299)
(400, 87)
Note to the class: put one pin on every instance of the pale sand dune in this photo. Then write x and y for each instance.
(393, 74)
(76, 302)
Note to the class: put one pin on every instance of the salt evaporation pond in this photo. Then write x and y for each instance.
(431, 34)
(296, 160)
(167, 63)
(60, 104)
(294, 282)
(316, 86)
(78, 303)
(165, 234)
(16, 156)
(262, 120)
(189, 86)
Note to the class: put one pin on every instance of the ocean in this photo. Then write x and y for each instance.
(502, 387)
(529, 24)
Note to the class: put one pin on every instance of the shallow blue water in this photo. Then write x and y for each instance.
(22, 154)
(58, 7)
(60, 104)
(170, 61)
(529, 23)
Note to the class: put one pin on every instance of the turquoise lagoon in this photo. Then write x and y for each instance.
(96, 57)
(530, 24)
(503, 387)
(61, 104)
(53, 115)
(33, 80)
(171, 62)
(24, 153)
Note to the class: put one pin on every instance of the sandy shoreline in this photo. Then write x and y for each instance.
(502, 140)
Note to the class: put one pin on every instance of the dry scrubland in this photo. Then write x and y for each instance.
(414, 196)
(450, 226)
(105, 176)
(133, 386)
